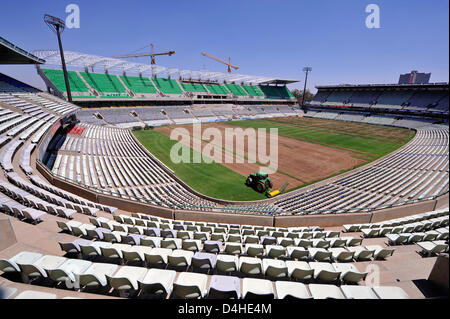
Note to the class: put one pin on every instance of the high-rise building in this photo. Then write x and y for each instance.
(414, 77)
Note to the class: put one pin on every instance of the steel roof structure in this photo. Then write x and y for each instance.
(88, 61)
(12, 54)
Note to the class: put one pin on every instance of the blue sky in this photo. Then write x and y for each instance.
(263, 37)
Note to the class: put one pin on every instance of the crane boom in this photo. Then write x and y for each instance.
(221, 61)
(152, 55)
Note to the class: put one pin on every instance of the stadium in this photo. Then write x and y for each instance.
(92, 204)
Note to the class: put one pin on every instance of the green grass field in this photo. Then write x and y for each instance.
(365, 141)
(212, 179)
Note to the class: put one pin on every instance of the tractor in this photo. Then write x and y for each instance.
(259, 181)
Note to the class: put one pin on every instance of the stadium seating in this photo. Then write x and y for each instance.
(364, 97)
(128, 172)
(326, 115)
(443, 104)
(193, 87)
(335, 279)
(396, 98)
(276, 92)
(217, 89)
(237, 90)
(382, 120)
(425, 99)
(398, 177)
(130, 281)
(20, 197)
(110, 87)
(253, 90)
(339, 97)
(112, 252)
(57, 77)
(10, 85)
(105, 84)
(421, 99)
(167, 86)
(321, 96)
(285, 93)
(138, 84)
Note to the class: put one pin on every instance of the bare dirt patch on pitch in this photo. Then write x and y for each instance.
(299, 162)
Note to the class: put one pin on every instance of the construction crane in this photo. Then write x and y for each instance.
(152, 55)
(221, 61)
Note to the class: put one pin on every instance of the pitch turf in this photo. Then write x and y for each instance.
(369, 141)
(366, 141)
(212, 179)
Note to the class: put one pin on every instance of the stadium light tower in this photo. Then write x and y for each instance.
(306, 69)
(57, 25)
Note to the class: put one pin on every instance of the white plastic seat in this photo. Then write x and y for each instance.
(190, 285)
(319, 291)
(358, 292)
(289, 289)
(250, 266)
(158, 281)
(25, 257)
(299, 270)
(96, 274)
(257, 288)
(393, 292)
(274, 268)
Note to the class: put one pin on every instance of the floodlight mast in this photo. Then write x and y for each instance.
(57, 25)
(306, 69)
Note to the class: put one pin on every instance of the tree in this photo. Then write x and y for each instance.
(299, 95)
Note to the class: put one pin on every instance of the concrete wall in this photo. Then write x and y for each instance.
(402, 211)
(322, 220)
(442, 202)
(224, 218)
(439, 273)
(7, 235)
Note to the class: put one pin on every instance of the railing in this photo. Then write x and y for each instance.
(243, 210)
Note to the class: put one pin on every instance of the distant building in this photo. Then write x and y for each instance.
(414, 77)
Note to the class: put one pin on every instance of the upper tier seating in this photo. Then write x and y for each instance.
(253, 90)
(425, 99)
(167, 86)
(139, 84)
(321, 96)
(217, 89)
(420, 99)
(193, 87)
(364, 97)
(236, 89)
(396, 98)
(443, 105)
(57, 77)
(339, 97)
(105, 83)
(276, 92)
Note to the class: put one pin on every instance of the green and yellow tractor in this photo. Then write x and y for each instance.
(260, 182)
